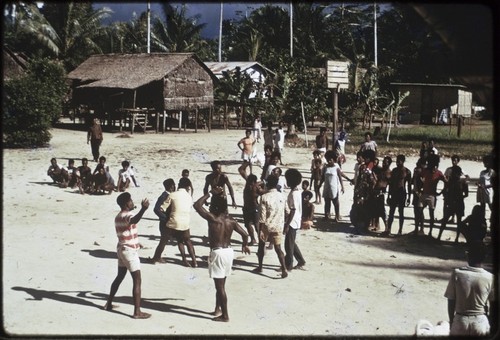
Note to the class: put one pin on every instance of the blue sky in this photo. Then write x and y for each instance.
(209, 12)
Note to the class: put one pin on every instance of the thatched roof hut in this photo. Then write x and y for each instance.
(155, 81)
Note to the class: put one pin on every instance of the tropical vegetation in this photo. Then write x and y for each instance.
(69, 32)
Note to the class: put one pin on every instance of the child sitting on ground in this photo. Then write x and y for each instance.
(125, 175)
(307, 210)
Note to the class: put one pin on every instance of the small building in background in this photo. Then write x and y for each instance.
(433, 103)
(255, 70)
(14, 64)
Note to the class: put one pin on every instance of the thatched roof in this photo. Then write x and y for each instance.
(129, 71)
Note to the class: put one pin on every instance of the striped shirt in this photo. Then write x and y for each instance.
(126, 232)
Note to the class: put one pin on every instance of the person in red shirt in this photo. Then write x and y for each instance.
(430, 177)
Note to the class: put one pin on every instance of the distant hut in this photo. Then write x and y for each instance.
(137, 88)
(426, 102)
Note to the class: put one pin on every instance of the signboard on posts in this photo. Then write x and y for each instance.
(337, 74)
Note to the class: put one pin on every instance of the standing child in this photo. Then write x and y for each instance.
(332, 177)
(316, 173)
(279, 140)
(185, 174)
(127, 251)
(293, 220)
(485, 184)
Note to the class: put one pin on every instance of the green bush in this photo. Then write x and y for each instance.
(32, 103)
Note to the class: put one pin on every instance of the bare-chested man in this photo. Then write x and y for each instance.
(398, 195)
(383, 175)
(220, 261)
(246, 146)
(218, 179)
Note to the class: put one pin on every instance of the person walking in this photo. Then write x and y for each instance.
(95, 138)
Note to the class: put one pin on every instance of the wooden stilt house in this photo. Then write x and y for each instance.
(145, 90)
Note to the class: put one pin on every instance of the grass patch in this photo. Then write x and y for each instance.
(477, 139)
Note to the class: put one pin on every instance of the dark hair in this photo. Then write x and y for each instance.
(184, 182)
(457, 157)
(268, 147)
(248, 131)
(123, 198)
(322, 129)
(293, 177)
(307, 194)
(271, 181)
(369, 154)
(84, 159)
(218, 206)
(168, 183)
(185, 171)
(53, 159)
(389, 159)
(305, 182)
(251, 179)
(401, 158)
(102, 158)
(432, 161)
(71, 160)
(125, 163)
(214, 164)
(476, 252)
(330, 154)
(368, 134)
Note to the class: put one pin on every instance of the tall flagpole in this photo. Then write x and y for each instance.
(220, 31)
(291, 29)
(149, 27)
(375, 32)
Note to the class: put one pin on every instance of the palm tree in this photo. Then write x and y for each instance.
(179, 33)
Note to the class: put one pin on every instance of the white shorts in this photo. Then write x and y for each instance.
(246, 157)
(476, 325)
(220, 262)
(129, 258)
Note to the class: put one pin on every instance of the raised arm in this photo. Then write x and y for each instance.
(138, 216)
(200, 209)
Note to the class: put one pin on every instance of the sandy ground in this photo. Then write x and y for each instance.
(59, 253)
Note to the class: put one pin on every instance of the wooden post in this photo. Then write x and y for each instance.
(335, 98)
(157, 121)
(164, 120)
(305, 125)
(180, 121)
(196, 120)
(210, 118)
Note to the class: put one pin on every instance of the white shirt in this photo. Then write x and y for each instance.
(294, 201)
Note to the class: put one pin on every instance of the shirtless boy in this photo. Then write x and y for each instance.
(220, 229)
(246, 146)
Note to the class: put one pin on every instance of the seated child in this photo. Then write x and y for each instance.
(55, 172)
(85, 176)
(125, 175)
(307, 210)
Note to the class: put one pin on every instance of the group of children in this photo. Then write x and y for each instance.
(377, 186)
(91, 182)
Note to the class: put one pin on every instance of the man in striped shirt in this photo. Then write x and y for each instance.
(127, 251)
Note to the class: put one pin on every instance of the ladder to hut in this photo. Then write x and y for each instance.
(140, 120)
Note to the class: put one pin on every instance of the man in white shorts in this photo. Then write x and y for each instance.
(127, 251)
(220, 261)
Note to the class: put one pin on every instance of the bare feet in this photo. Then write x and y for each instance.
(142, 315)
(109, 307)
(216, 313)
(160, 260)
(257, 270)
(284, 274)
(221, 318)
(186, 263)
(194, 264)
